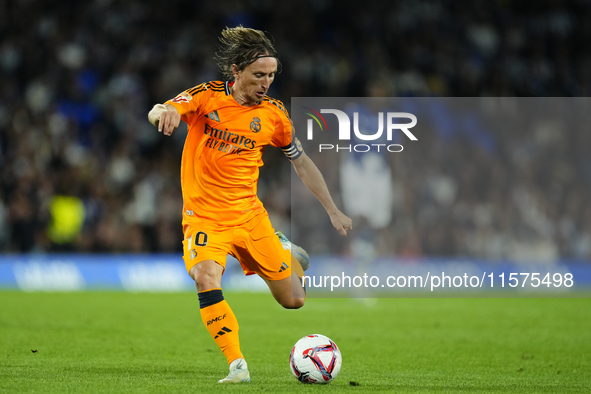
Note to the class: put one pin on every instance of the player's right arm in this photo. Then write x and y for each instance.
(168, 116)
(165, 117)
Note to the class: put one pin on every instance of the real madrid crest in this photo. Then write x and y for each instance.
(255, 125)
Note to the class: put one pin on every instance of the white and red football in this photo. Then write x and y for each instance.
(315, 359)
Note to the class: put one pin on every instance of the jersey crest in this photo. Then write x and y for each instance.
(255, 125)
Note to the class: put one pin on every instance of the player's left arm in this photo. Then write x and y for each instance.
(314, 181)
(285, 138)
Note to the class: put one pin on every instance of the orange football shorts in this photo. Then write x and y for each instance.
(254, 244)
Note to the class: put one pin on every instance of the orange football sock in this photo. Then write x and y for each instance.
(220, 322)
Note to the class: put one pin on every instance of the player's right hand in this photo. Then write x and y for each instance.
(169, 121)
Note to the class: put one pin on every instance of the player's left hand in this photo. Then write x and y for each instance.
(341, 222)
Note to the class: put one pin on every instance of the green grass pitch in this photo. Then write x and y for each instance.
(151, 343)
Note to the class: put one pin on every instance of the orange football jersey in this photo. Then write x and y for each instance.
(223, 151)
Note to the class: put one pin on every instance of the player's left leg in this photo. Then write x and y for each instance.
(289, 291)
(260, 250)
(296, 251)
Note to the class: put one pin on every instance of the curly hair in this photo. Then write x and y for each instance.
(242, 46)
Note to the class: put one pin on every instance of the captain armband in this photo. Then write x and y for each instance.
(293, 150)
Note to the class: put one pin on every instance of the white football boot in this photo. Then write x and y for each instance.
(238, 372)
(296, 251)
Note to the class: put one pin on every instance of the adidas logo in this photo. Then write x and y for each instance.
(213, 116)
(283, 267)
(223, 331)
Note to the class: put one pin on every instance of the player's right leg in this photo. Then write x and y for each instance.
(217, 316)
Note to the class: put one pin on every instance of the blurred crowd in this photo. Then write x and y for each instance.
(81, 169)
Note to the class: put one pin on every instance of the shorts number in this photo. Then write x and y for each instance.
(201, 238)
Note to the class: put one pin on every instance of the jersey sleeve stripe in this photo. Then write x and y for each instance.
(215, 85)
(275, 101)
(196, 89)
(278, 104)
(206, 86)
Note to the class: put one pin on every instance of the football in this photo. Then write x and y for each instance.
(315, 359)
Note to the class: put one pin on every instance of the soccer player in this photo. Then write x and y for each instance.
(229, 125)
